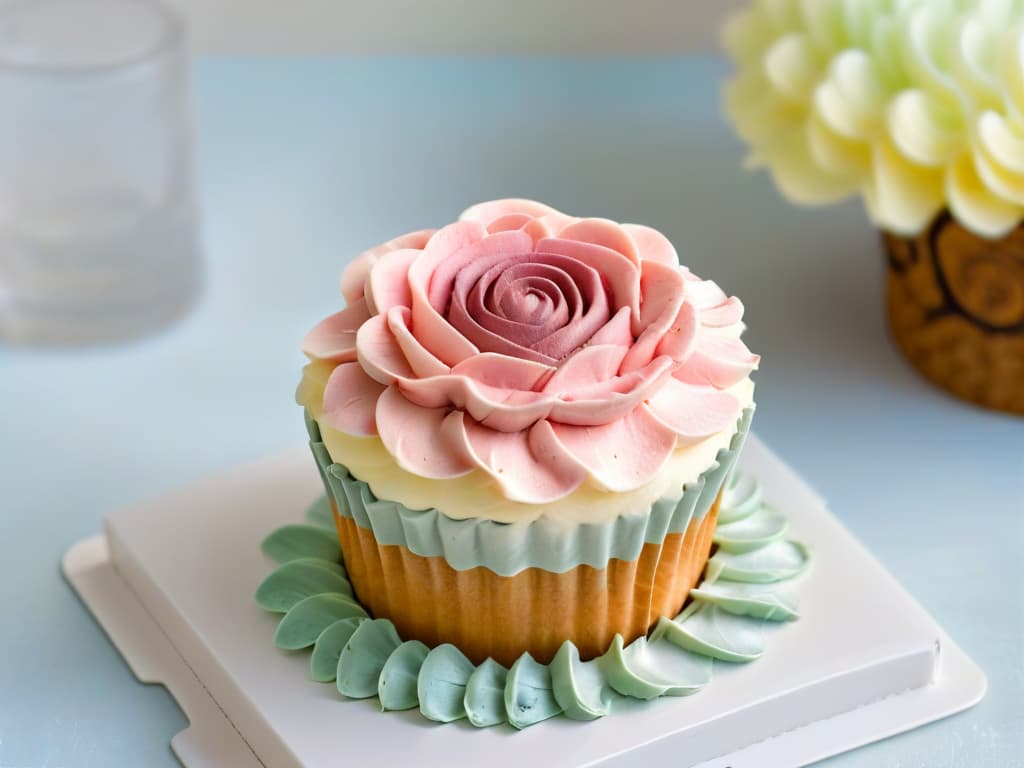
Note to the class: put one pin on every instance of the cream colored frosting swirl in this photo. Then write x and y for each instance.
(917, 105)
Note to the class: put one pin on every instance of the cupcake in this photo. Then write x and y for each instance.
(916, 107)
(524, 422)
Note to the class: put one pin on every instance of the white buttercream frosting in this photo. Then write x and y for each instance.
(476, 494)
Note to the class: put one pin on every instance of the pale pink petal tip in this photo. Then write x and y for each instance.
(623, 455)
(720, 361)
(530, 467)
(353, 278)
(492, 210)
(334, 338)
(605, 233)
(350, 401)
(694, 412)
(423, 441)
(652, 245)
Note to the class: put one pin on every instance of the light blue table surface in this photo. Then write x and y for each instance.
(306, 162)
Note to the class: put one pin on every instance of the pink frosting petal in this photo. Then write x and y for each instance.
(623, 455)
(350, 400)
(496, 407)
(334, 338)
(693, 412)
(388, 284)
(605, 233)
(558, 221)
(606, 401)
(591, 365)
(705, 294)
(353, 278)
(679, 340)
(492, 210)
(729, 313)
(621, 275)
(720, 361)
(433, 331)
(422, 363)
(662, 289)
(424, 441)
(450, 239)
(530, 467)
(504, 372)
(379, 352)
(615, 331)
(652, 245)
(661, 312)
(538, 229)
(509, 221)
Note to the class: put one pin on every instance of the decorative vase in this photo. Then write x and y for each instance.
(956, 309)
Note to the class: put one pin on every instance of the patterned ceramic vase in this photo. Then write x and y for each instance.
(956, 309)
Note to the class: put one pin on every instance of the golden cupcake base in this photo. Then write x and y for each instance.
(956, 309)
(488, 615)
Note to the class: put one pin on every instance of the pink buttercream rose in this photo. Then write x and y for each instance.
(542, 349)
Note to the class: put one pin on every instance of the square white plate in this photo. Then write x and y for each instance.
(172, 583)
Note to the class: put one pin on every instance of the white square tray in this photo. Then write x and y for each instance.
(172, 584)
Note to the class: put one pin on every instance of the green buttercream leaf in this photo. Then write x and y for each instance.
(442, 685)
(710, 631)
(647, 670)
(528, 695)
(485, 694)
(320, 514)
(297, 580)
(774, 562)
(397, 685)
(302, 625)
(363, 658)
(622, 678)
(291, 542)
(741, 498)
(579, 687)
(762, 527)
(772, 601)
(323, 664)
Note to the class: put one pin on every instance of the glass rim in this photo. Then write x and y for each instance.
(169, 38)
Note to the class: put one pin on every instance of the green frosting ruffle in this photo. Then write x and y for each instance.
(508, 548)
(745, 587)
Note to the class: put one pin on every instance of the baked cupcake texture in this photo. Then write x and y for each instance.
(524, 421)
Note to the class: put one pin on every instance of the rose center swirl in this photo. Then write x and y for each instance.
(537, 306)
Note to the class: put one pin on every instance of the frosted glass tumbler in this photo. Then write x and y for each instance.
(98, 227)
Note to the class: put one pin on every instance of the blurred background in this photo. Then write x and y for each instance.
(568, 27)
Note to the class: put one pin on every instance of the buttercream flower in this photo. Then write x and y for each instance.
(542, 349)
(917, 105)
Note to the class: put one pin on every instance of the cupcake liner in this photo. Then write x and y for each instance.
(487, 615)
(508, 548)
(495, 590)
